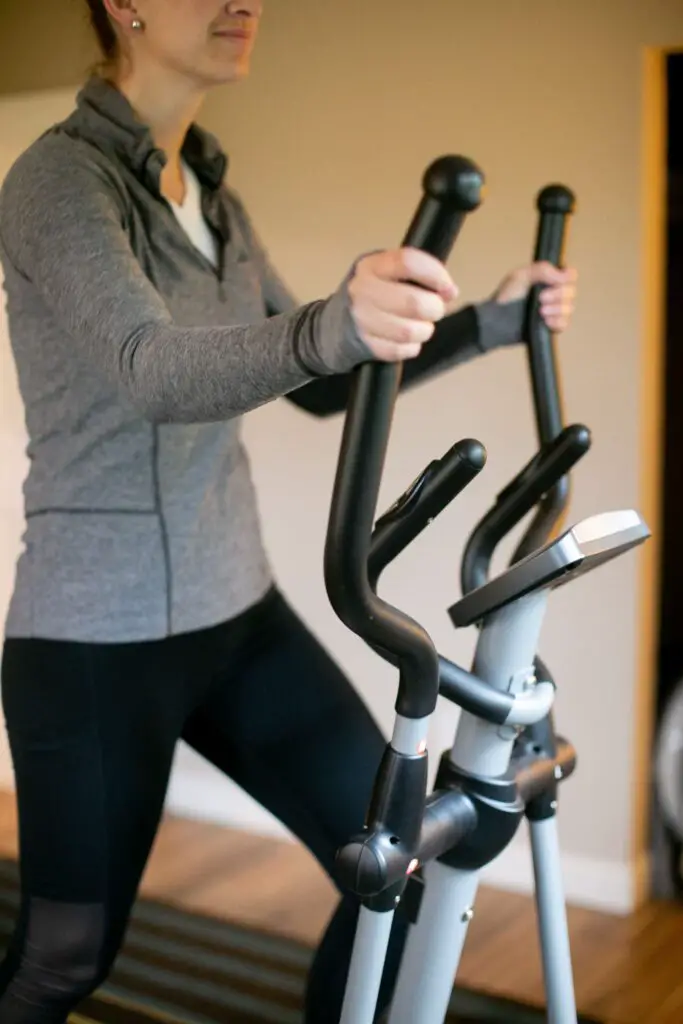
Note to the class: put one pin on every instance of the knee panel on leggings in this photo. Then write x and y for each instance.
(59, 964)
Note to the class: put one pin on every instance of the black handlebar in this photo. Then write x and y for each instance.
(555, 204)
(452, 189)
(520, 496)
(435, 488)
(543, 483)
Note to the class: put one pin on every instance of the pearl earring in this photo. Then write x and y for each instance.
(136, 25)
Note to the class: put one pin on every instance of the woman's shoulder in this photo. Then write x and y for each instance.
(55, 166)
(57, 176)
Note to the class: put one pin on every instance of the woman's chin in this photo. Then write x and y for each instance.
(224, 72)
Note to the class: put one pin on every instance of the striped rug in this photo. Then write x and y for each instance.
(181, 968)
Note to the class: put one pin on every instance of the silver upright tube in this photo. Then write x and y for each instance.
(505, 656)
(434, 946)
(552, 922)
(367, 966)
(374, 927)
(410, 734)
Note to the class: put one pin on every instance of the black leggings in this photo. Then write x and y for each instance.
(93, 730)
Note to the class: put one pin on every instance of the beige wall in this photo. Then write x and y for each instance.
(43, 45)
(347, 104)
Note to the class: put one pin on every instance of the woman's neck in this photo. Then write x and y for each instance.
(168, 108)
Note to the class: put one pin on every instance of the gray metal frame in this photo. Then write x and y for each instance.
(512, 610)
(374, 927)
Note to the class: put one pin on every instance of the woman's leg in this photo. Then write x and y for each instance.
(284, 722)
(92, 731)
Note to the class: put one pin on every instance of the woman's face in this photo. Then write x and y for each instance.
(207, 41)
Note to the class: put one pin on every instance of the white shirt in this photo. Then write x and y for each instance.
(192, 219)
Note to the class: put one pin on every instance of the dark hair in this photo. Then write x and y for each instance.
(104, 30)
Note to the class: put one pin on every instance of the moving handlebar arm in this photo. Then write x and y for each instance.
(556, 204)
(543, 483)
(452, 189)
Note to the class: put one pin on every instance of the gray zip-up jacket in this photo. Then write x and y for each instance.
(136, 359)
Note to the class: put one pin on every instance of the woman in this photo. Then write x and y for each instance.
(145, 319)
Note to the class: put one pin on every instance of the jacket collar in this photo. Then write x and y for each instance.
(105, 117)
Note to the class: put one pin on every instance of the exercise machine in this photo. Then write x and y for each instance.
(424, 850)
(506, 760)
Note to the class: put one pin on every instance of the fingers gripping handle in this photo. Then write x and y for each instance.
(452, 188)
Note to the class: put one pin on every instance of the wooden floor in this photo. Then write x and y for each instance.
(627, 970)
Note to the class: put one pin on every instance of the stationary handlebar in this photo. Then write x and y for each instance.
(452, 188)
(527, 491)
(434, 489)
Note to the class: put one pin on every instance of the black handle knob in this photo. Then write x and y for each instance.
(556, 199)
(452, 188)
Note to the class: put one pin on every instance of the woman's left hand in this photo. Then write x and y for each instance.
(557, 299)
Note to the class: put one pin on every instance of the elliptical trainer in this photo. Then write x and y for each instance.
(506, 761)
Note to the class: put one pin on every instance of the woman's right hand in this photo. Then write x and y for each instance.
(397, 296)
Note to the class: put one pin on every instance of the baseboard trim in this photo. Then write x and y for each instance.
(608, 886)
